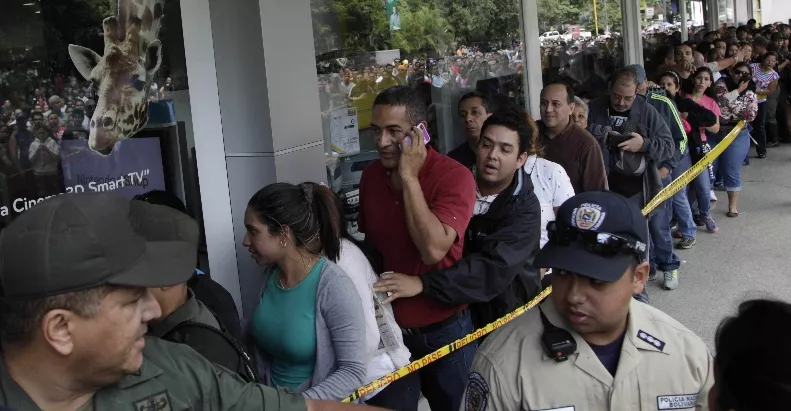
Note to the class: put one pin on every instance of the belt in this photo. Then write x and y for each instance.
(436, 326)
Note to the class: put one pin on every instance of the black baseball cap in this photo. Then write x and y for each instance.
(75, 242)
(596, 220)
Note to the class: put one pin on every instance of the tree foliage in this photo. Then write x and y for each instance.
(559, 13)
(426, 25)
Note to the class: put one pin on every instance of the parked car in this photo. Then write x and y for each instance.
(549, 36)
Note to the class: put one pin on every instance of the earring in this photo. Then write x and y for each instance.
(283, 243)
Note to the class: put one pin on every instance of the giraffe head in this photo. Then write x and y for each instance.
(121, 79)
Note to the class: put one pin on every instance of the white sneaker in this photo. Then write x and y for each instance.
(712, 196)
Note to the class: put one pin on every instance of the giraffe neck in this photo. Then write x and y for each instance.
(149, 12)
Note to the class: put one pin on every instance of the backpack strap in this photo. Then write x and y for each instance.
(250, 373)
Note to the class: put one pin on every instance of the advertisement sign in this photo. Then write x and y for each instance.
(134, 167)
(393, 14)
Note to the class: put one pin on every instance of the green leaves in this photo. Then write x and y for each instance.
(427, 26)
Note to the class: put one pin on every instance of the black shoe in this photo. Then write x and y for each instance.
(761, 155)
(772, 144)
(686, 243)
(698, 221)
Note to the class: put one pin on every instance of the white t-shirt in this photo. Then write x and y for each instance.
(357, 267)
(552, 187)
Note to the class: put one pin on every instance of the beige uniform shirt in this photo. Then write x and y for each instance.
(663, 366)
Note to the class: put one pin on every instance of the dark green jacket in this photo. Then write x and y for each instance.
(216, 346)
(192, 310)
(173, 377)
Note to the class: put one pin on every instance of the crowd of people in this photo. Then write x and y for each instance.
(451, 243)
(33, 125)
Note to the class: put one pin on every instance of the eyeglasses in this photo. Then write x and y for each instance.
(603, 244)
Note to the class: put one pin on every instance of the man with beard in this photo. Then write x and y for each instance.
(496, 274)
(619, 353)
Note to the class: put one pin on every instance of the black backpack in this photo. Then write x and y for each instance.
(216, 345)
(219, 301)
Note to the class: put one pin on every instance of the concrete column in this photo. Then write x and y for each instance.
(210, 144)
(632, 33)
(531, 62)
(256, 116)
(682, 5)
(713, 8)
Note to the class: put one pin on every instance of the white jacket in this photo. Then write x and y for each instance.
(357, 267)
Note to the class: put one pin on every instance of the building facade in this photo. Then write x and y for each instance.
(244, 93)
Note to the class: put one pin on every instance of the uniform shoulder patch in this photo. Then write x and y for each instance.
(154, 402)
(650, 339)
(477, 394)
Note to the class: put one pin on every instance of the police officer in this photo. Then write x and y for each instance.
(628, 355)
(75, 307)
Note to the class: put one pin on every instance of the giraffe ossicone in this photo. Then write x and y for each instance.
(122, 76)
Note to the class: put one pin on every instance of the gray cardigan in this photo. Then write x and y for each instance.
(341, 360)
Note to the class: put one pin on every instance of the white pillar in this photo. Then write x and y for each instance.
(632, 32)
(713, 8)
(531, 62)
(682, 4)
(209, 144)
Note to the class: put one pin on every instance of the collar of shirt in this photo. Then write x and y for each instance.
(585, 359)
(542, 129)
(530, 164)
(186, 312)
(482, 202)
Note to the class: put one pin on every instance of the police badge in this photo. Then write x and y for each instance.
(477, 393)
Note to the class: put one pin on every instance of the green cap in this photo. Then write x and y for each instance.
(75, 242)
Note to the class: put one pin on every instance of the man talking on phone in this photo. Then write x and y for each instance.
(497, 274)
(415, 205)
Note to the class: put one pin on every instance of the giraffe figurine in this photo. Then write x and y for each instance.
(121, 78)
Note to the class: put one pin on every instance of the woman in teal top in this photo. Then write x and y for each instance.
(307, 329)
(290, 337)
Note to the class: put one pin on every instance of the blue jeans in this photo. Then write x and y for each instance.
(402, 394)
(443, 381)
(701, 189)
(680, 203)
(728, 165)
(662, 256)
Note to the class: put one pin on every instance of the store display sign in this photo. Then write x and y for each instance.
(134, 167)
(344, 132)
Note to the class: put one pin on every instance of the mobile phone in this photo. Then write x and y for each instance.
(426, 136)
(615, 138)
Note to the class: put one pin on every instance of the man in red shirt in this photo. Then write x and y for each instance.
(415, 205)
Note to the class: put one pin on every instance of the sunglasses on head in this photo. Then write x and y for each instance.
(603, 244)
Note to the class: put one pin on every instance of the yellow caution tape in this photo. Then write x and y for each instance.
(461, 342)
(693, 171)
(662, 196)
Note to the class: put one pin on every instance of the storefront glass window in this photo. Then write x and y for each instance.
(727, 15)
(92, 108)
(581, 43)
(443, 48)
